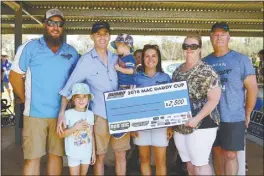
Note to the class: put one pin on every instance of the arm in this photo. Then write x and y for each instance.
(251, 95)
(78, 75)
(81, 125)
(213, 97)
(18, 84)
(128, 71)
(93, 151)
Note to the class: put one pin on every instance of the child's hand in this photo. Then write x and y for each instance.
(81, 125)
(93, 159)
(117, 67)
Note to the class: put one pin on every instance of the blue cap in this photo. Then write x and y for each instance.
(81, 88)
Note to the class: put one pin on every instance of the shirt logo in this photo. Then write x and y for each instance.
(66, 56)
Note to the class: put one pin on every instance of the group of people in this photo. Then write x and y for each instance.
(64, 98)
(5, 69)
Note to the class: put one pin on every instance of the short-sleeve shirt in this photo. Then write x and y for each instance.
(46, 73)
(126, 62)
(6, 67)
(200, 79)
(233, 68)
(79, 143)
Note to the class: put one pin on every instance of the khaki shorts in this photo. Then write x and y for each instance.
(102, 138)
(36, 132)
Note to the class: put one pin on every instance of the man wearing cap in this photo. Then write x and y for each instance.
(46, 63)
(238, 98)
(6, 65)
(97, 69)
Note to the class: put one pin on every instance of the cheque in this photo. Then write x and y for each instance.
(148, 107)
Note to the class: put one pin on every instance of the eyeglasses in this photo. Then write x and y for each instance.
(51, 23)
(192, 46)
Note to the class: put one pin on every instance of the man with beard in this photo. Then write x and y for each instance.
(101, 77)
(46, 63)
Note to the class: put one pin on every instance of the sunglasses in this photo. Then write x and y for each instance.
(51, 23)
(192, 46)
(147, 46)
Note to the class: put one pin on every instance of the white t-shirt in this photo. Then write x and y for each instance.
(79, 144)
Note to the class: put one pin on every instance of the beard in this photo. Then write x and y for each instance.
(54, 41)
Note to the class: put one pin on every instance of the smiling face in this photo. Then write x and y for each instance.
(220, 38)
(151, 59)
(191, 54)
(101, 38)
(80, 101)
(53, 34)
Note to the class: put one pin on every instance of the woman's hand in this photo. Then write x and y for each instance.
(134, 134)
(193, 122)
(169, 132)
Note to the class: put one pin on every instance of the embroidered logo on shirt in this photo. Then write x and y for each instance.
(66, 56)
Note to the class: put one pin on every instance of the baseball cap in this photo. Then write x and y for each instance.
(53, 12)
(81, 88)
(125, 38)
(220, 25)
(99, 25)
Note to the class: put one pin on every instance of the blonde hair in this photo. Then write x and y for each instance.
(197, 37)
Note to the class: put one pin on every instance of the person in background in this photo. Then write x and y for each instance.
(156, 138)
(79, 140)
(6, 65)
(40, 69)
(261, 66)
(238, 98)
(194, 140)
(138, 57)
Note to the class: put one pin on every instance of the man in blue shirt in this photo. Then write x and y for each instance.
(40, 69)
(238, 98)
(97, 69)
(6, 65)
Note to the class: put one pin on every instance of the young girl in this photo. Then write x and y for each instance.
(79, 137)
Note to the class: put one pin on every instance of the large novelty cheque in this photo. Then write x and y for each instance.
(148, 107)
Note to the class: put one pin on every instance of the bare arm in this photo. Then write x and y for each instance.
(81, 125)
(61, 119)
(18, 84)
(251, 95)
(213, 97)
(128, 71)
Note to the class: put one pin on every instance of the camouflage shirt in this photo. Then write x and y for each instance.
(200, 79)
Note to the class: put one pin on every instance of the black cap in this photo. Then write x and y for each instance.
(99, 25)
(220, 25)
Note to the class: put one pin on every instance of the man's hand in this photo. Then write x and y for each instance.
(117, 67)
(61, 124)
(247, 121)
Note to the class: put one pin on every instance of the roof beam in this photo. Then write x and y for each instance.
(87, 31)
(157, 14)
(15, 6)
(150, 24)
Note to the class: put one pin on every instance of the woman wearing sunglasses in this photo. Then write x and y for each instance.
(194, 139)
(158, 139)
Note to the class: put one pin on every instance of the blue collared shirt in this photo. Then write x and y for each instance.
(46, 73)
(100, 78)
(143, 80)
